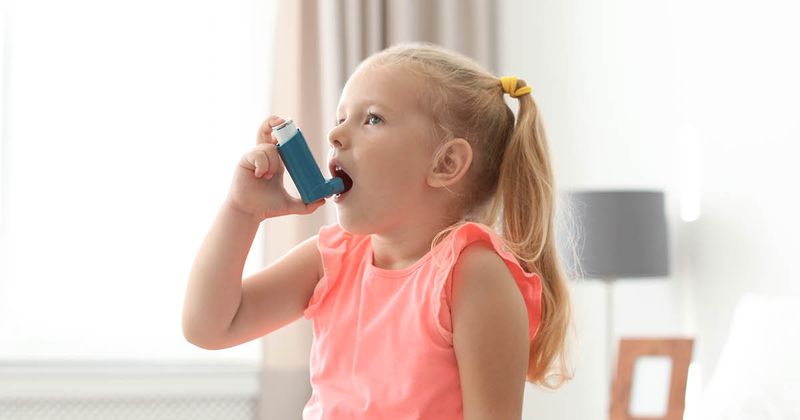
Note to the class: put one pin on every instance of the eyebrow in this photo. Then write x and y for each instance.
(366, 104)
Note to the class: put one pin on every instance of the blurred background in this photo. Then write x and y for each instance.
(121, 123)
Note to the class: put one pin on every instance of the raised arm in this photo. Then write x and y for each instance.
(220, 310)
(214, 291)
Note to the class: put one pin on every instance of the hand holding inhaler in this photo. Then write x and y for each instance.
(257, 187)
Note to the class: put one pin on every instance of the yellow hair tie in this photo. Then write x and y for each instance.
(510, 84)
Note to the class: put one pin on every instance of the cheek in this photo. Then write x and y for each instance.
(399, 169)
(401, 184)
(403, 170)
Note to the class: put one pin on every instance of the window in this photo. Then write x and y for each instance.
(122, 123)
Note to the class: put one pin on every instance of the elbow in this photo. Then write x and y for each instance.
(206, 345)
(193, 339)
(200, 337)
(204, 342)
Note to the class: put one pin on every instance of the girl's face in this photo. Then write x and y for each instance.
(384, 141)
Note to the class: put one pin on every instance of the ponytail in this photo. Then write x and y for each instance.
(526, 197)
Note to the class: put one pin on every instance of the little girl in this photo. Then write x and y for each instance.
(420, 308)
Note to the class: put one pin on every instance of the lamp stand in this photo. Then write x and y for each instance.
(610, 347)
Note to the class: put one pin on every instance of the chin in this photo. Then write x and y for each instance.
(350, 227)
(353, 224)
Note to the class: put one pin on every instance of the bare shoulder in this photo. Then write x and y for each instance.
(490, 334)
(480, 269)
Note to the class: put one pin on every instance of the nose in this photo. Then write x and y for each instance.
(336, 137)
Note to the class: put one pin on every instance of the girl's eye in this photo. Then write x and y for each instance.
(373, 119)
(339, 121)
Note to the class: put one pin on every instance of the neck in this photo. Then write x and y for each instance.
(402, 246)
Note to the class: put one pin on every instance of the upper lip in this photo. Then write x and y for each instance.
(333, 163)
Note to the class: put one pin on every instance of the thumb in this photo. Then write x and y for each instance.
(298, 207)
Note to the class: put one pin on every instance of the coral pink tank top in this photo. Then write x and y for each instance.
(383, 339)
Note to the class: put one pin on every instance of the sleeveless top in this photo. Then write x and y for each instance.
(383, 339)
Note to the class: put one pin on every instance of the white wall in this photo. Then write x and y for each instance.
(697, 98)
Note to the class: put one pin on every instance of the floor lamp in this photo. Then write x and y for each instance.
(621, 234)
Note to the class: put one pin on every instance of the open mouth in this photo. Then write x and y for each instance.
(338, 172)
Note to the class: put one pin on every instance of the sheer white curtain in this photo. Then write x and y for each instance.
(320, 43)
(122, 124)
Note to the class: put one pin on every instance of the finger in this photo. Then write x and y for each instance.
(265, 131)
(260, 160)
(247, 162)
(272, 159)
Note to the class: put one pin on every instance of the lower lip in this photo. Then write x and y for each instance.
(337, 198)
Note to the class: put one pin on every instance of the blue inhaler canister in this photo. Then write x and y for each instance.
(302, 168)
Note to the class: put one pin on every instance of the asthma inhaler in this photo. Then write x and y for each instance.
(302, 168)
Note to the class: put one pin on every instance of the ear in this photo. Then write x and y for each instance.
(451, 163)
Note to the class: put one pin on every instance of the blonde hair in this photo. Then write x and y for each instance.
(511, 181)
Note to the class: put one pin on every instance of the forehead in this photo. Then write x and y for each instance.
(385, 85)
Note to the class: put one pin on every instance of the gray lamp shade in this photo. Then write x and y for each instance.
(621, 233)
